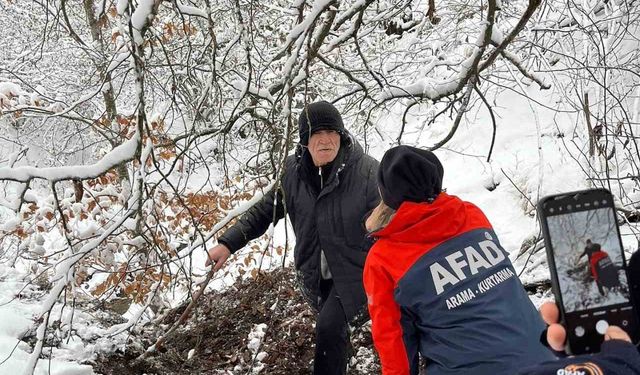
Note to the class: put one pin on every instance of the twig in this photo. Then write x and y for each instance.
(461, 112)
(587, 114)
(518, 64)
(404, 121)
(493, 121)
(531, 8)
(344, 71)
(517, 188)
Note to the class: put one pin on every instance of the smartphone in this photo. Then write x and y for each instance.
(588, 267)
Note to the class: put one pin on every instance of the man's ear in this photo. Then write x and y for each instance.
(346, 139)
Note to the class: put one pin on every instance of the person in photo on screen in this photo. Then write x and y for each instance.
(602, 270)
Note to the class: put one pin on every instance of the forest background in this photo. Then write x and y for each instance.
(133, 132)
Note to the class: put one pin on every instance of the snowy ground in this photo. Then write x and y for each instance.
(18, 305)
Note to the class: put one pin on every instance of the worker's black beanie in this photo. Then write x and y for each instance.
(409, 174)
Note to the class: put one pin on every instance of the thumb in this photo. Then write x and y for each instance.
(219, 263)
(616, 333)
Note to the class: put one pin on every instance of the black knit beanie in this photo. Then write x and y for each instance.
(409, 174)
(319, 116)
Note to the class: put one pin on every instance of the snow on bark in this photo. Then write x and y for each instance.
(142, 15)
(243, 87)
(117, 156)
(497, 37)
(121, 6)
(65, 268)
(190, 10)
(10, 89)
(316, 10)
(431, 89)
(353, 9)
(119, 58)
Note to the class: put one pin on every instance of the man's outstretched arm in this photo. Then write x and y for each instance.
(251, 225)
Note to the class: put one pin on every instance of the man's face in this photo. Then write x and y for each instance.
(324, 146)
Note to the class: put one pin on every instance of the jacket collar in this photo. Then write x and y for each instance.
(425, 222)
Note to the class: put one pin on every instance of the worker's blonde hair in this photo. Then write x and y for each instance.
(380, 217)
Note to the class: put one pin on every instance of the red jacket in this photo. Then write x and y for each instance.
(439, 283)
(593, 261)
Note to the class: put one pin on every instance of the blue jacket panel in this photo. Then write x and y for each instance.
(465, 310)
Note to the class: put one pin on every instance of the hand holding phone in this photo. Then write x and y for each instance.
(617, 356)
(557, 335)
(587, 266)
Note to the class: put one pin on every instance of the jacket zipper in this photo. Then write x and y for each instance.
(336, 182)
(321, 187)
(320, 252)
(319, 194)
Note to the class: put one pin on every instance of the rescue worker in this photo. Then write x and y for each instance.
(438, 282)
(602, 270)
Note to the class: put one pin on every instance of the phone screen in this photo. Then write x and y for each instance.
(589, 268)
(588, 259)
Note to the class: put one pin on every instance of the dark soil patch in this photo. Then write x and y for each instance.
(218, 329)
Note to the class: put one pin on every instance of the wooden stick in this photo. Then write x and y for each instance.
(183, 318)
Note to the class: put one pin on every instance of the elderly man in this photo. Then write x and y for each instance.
(328, 187)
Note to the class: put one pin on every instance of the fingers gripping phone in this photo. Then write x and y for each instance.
(587, 265)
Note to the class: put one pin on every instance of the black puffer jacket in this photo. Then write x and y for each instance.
(330, 220)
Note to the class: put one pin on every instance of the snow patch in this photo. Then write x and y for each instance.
(255, 342)
(9, 89)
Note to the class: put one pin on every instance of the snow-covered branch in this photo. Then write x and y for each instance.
(119, 155)
(467, 68)
(65, 274)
